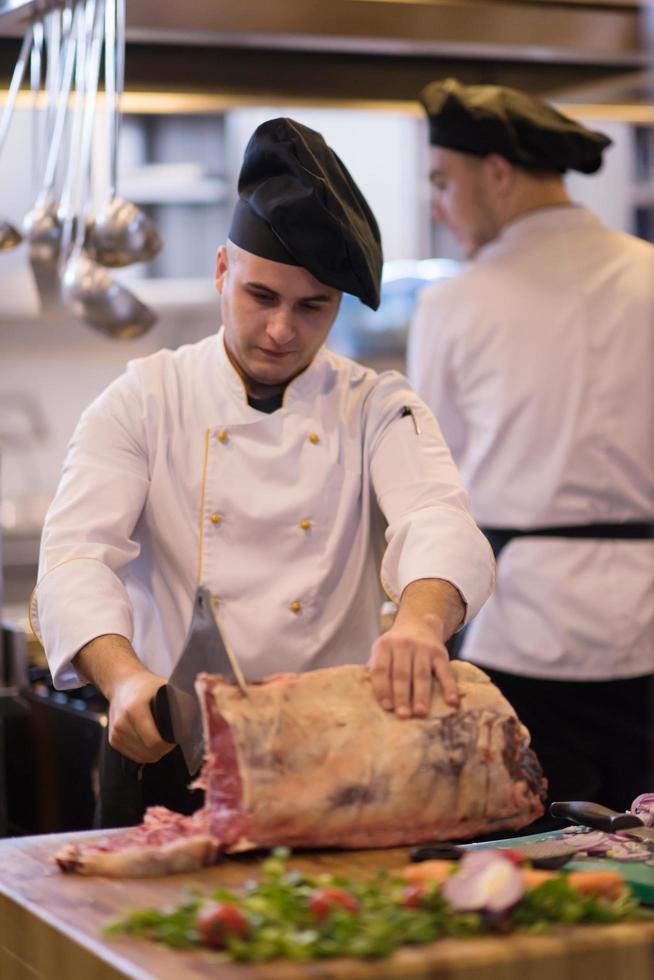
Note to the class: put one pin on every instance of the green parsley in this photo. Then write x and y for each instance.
(281, 923)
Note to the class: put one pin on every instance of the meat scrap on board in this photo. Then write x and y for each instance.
(312, 760)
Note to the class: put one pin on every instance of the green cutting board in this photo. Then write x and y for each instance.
(639, 877)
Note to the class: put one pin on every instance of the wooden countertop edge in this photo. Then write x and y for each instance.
(99, 950)
(92, 945)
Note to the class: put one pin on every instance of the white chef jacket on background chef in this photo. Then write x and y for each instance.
(538, 362)
(172, 479)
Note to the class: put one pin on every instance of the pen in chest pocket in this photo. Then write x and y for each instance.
(407, 410)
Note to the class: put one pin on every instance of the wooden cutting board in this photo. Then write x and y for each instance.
(638, 876)
(51, 929)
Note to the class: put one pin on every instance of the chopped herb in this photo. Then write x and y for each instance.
(555, 901)
(367, 920)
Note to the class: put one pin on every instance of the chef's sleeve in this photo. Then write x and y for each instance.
(87, 538)
(431, 532)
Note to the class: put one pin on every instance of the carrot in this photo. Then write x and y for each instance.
(604, 884)
(533, 877)
(436, 871)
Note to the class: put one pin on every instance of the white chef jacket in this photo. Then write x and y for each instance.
(538, 362)
(173, 480)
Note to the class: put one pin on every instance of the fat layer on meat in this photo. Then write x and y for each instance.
(313, 760)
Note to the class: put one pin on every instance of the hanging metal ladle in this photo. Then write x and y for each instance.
(41, 225)
(96, 298)
(120, 233)
(81, 29)
(10, 236)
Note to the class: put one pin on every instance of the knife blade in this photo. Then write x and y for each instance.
(541, 853)
(644, 834)
(175, 706)
(602, 818)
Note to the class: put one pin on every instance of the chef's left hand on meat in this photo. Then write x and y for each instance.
(402, 664)
(404, 660)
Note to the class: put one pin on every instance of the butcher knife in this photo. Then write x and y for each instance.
(541, 852)
(601, 818)
(175, 707)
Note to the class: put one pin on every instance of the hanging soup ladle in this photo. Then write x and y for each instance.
(69, 203)
(10, 236)
(36, 64)
(120, 233)
(42, 225)
(54, 47)
(96, 298)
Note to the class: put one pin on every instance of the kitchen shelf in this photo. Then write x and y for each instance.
(594, 32)
(204, 192)
(173, 183)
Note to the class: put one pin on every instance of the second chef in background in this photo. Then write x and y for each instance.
(267, 469)
(538, 361)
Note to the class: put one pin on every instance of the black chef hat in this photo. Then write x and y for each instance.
(298, 204)
(483, 119)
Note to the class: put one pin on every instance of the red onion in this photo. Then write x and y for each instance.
(596, 843)
(484, 881)
(643, 807)
(588, 841)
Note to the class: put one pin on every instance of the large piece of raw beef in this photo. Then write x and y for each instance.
(313, 760)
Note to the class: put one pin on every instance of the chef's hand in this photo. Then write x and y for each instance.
(109, 662)
(132, 730)
(405, 659)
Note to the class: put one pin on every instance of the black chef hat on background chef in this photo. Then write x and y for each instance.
(298, 204)
(483, 119)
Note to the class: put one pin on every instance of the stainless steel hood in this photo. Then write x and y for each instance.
(380, 48)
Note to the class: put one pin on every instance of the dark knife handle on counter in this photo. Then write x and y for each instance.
(594, 815)
(160, 708)
(436, 851)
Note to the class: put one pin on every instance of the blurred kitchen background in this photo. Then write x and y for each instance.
(199, 77)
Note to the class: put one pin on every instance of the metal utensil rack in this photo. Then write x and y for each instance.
(22, 11)
(70, 242)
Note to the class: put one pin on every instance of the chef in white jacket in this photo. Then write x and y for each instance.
(538, 362)
(268, 470)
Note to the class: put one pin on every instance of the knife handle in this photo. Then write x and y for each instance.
(438, 850)
(160, 708)
(594, 815)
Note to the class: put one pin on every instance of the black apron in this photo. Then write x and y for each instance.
(128, 788)
(499, 537)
